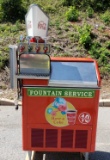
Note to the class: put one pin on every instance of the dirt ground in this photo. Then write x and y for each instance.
(6, 92)
(105, 89)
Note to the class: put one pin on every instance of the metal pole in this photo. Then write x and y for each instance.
(44, 156)
(28, 156)
(86, 155)
(13, 66)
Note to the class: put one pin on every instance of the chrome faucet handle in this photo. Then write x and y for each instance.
(21, 38)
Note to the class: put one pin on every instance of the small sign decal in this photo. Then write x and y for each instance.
(61, 92)
(84, 118)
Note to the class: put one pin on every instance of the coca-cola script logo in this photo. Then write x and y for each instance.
(42, 25)
(29, 24)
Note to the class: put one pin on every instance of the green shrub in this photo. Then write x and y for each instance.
(85, 36)
(106, 17)
(67, 2)
(90, 12)
(50, 9)
(72, 14)
(94, 50)
(97, 5)
(107, 44)
(3, 60)
(100, 53)
(105, 71)
(103, 59)
(12, 10)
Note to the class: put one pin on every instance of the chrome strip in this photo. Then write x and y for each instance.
(73, 84)
(31, 77)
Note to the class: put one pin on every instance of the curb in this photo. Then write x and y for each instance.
(8, 102)
(104, 102)
(4, 102)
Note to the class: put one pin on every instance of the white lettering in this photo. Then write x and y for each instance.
(40, 92)
(36, 92)
(48, 93)
(44, 93)
(70, 93)
(31, 92)
(85, 94)
(65, 93)
(79, 94)
(74, 94)
(90, 94)
(53, 93)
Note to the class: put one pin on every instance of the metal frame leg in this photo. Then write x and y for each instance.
(86, 155)
(29, 155)
(44, 156)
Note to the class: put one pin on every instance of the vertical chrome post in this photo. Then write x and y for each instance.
(13, 65)
(86, 155)
(28, 155)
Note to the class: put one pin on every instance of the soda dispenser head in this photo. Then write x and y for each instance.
(36, 22)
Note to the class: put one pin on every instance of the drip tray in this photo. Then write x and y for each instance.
(35, 74)
(32, 76)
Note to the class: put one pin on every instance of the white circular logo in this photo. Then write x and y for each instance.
(84, 118)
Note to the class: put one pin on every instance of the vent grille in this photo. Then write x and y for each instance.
(51, 138)
(37, 137)
(67, 139)
(81, 139)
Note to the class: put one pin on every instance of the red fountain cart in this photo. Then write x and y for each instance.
(60, 98)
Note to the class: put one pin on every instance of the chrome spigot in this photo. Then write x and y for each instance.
(29, 46)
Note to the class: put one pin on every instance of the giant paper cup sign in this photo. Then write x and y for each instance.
(60, 113)
(71, 116)
(36, 22)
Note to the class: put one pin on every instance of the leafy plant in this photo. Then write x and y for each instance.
(106, 17)
(3, 60)
(50, 9)
(90, 12)
(67, 2)
(72, 14)
(94, 50)
(97, 5)
(105, 71)
(107, 44)
(100, 53)
(12, 10)
(85, 36)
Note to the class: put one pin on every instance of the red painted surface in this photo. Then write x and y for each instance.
(39, 135)
(34, 82)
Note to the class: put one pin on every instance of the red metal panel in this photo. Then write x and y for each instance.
(58, 138)
(33, 82)
(71, 59)
(40, 135)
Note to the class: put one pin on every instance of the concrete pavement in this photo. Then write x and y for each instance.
(103, 136)
(11, 136)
